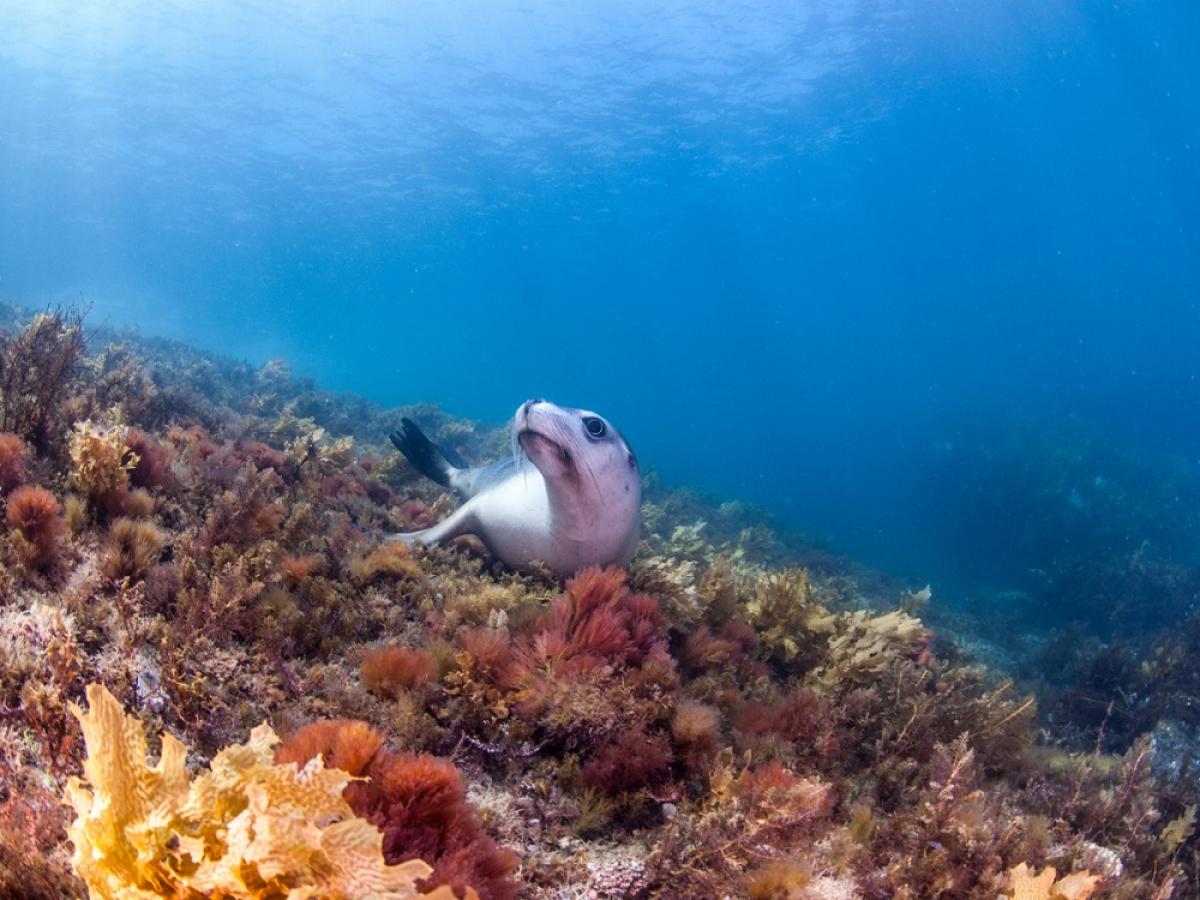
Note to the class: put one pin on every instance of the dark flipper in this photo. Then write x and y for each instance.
(452, 456)
(424, 455)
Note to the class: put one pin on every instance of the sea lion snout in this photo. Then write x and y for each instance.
(545, 433)
(529, 405)
(544, 418)
(524, 412)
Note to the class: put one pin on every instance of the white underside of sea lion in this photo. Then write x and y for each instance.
(569, 498)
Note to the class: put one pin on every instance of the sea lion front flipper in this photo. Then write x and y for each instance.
(461, 521)
(425, 456)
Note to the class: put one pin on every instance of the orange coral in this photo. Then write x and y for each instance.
(392, 670)
(418, 802)
(36, 516)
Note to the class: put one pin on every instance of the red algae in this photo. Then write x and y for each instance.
(414, 515)
(35, 514)
(153, 467)
(634, 760)
(13, 461)
(390, 671)
(629, 734)
(417, 801)
(297, 568)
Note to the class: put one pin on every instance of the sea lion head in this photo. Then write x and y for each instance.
(591, 475)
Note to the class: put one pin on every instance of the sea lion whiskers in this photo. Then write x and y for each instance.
(518, 455)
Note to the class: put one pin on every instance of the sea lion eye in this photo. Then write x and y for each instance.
(595, 427)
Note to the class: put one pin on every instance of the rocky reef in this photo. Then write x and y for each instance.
(193, 563)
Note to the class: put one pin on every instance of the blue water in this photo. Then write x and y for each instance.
(797, 251)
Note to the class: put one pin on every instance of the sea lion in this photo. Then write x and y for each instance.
(569, 497)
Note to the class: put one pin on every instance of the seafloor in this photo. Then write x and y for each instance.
(742, 714)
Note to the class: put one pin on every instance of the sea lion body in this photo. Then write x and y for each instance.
(570, 497)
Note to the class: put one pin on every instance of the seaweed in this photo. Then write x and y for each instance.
(742, 714)
(34, 515)
(36, 368)
(790, 621)
(132, 547)
(246, 827)
(695, 730)
(14, 462)
(417, 802)
(389, 671)
(633, 760)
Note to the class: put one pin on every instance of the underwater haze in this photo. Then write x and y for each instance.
(853, 261)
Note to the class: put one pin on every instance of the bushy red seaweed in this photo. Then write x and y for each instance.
(417, 801)
(802, 718)
(247, 512)
(703, 650)
(390, 671)
(596, 622)
(296, 568)
(13, 462)
(414, 515)
(153, 467)
(695, 728)
(35, 514)
(634, 760)
(132, 547)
